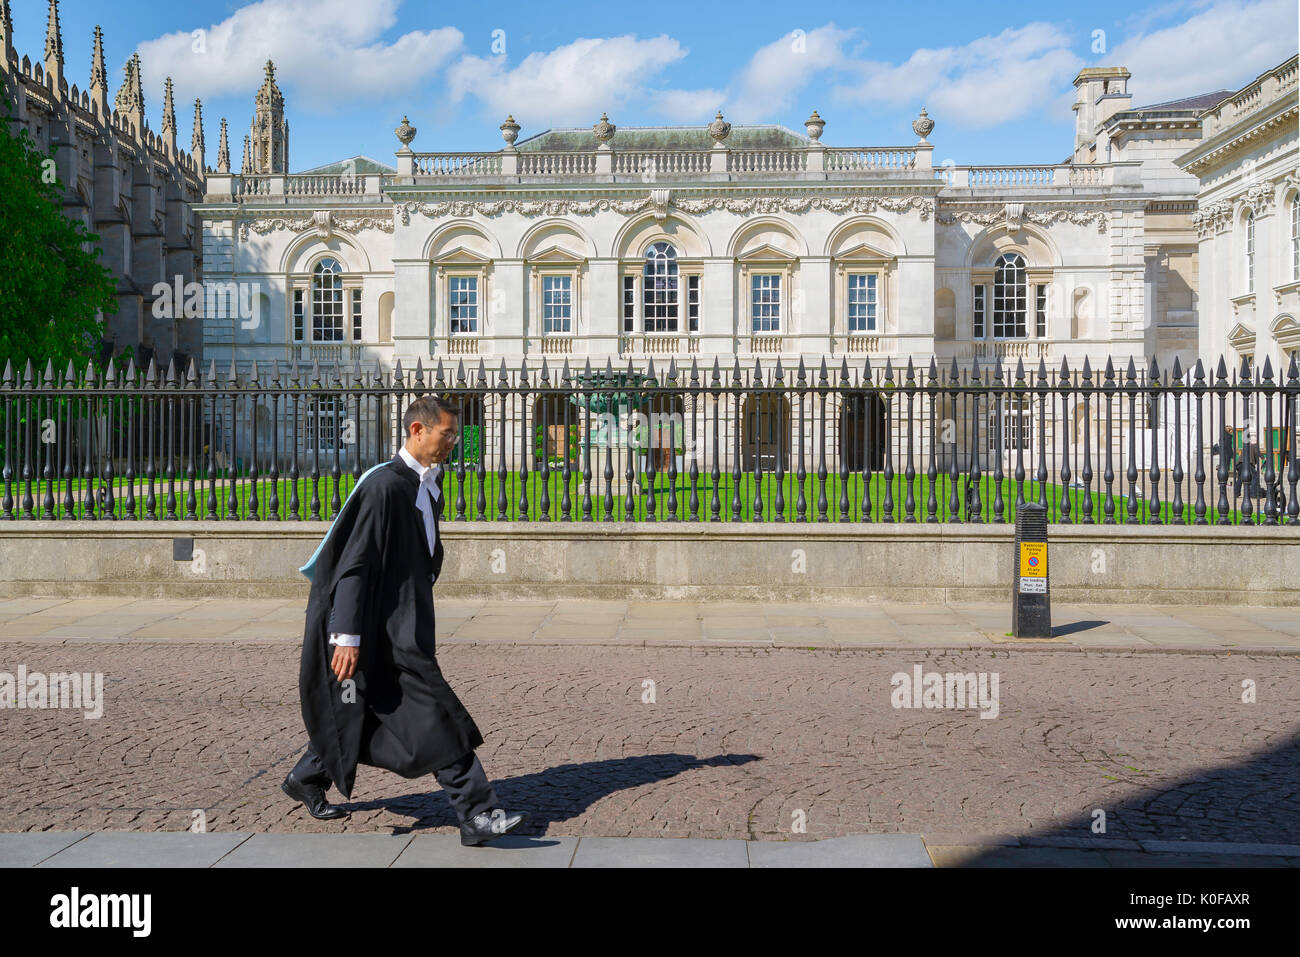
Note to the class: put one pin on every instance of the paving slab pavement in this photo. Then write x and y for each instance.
(77, 849)
(128, 849)
(974, 625)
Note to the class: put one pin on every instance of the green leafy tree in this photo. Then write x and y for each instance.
(51, 281)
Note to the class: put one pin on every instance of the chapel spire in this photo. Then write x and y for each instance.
(196, 140)
(169, 118)
(269, 133)
(7, 28)
(99, 76)
(54, 47)
(130, 95)
(223, 150)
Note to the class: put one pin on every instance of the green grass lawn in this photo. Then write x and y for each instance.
(481, 499)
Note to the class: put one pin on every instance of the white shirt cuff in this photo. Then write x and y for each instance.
(346, 641)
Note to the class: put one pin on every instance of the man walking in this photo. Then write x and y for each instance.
(371, 689)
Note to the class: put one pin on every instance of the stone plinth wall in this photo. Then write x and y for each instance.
(707, 561)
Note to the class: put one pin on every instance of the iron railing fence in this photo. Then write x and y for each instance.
(873, 443)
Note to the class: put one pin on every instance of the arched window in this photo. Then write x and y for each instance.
(1295, 238)
(659, 288)
(1250, 250)
(327, 301)
(1009, 297)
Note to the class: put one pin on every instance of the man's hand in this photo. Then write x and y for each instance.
(344, 664)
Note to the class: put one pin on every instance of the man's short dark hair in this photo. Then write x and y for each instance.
(429, 410)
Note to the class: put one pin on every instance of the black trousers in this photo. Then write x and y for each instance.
(465, 782)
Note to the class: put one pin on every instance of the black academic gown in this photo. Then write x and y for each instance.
(402, 715)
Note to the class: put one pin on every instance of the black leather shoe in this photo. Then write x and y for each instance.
(490, 825)
(313, 798)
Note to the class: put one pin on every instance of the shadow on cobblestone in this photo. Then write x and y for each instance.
(1251, 802)
(560, 793)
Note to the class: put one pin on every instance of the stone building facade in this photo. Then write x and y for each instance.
(719, 241)
(739, 245)
(1248, 219)
(132, 187)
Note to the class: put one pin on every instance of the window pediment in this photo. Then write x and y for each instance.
(863, 252)
(1286, 330)
(558, 255)
(766, 253)
(1242, 338)
(462, 255)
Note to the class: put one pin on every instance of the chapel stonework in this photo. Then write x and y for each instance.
(132, 187)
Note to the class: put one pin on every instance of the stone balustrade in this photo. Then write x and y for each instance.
(854, 159)
(293, 188)
(1267, 89)
(678, 165)
(658, 165)
(1028, 178)
(457, 165)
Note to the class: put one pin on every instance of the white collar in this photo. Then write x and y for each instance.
(427, 475)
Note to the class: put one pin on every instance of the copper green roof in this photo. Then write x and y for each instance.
(664, 138)
(360, 165)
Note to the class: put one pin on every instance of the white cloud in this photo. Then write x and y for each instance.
(570, 85)
(988, 81)
(1223, 47)
(328, 51)
(686, 106)
(776, 75)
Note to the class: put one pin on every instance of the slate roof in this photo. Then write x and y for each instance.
(1204, 101)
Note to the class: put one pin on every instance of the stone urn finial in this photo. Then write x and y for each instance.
(719, 129)
(923, 125)
(510, 132)
(604, 130)
(814, 125)
(405, 133)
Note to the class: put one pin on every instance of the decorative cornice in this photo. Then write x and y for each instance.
(799, 204)
(1036, 213)
(1213, 218)
(747, 205)
(1259, 198)
(1285, 120)
(1217, 217)
(324, 223)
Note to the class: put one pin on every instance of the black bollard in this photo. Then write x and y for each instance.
(1031, 608)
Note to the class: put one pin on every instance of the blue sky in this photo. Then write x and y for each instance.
(995, 77)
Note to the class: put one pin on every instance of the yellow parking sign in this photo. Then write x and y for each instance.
(1033, 559)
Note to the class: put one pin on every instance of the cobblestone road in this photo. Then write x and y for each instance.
(738, 743)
